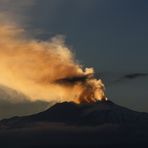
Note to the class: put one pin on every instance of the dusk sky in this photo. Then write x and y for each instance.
(73, 73)
(109, 35)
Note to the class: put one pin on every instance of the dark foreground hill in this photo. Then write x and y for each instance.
(97, 124)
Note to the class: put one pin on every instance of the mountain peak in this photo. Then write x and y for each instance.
(101, 112)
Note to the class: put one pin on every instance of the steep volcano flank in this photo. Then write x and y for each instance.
(84, 114)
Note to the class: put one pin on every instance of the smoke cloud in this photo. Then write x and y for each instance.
(42, 70)
(15, 11)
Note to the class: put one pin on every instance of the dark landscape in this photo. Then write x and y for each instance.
(100, 124)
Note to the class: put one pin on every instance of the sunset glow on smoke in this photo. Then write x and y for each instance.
(45, 70)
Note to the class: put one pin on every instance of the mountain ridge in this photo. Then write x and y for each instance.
(92, 114)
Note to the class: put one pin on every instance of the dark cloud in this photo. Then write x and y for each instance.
(135, 75)
(71, 80)
(130, 76)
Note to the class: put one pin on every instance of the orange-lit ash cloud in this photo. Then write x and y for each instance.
(45, 70)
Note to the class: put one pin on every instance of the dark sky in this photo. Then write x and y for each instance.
(110, 35)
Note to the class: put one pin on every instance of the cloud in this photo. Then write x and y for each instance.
(135, 75)
(130, 76)
(14, 11)
(9, 109)
(14, 103)
(33, 66)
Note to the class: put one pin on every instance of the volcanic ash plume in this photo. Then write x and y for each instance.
(45, 70)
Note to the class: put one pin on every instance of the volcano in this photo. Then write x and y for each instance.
(100, 124)
(86, 114)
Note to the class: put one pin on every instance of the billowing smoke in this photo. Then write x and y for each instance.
(42, 70)
(45, 70)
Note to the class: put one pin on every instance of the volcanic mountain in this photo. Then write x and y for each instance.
(100, 124)
(86, 114)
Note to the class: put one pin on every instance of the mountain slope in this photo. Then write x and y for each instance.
(81, 114)
(101, 124)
